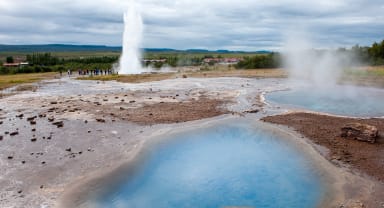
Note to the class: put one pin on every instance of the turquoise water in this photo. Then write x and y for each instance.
(221, 166)
(339, 100)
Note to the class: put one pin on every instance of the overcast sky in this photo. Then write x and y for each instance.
(182, 24)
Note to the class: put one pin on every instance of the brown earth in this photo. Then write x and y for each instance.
(167, 112)
(325, 130)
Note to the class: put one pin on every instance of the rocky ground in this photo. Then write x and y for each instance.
(66, 129)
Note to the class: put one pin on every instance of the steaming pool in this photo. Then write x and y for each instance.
(339, 100)
(225, 165)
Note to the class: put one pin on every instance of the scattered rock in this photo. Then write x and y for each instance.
(42, 115)
(23, 162)
(132, 101)
(59, 124)
(121, 108)
(33, 130)
(10, 157)
(32, 122)
(33, 140)
(50, 119)
(100, 120)
(85, 121)
(1, 137)
(185, 76)
(360, 132)
(20, 116)
(43, 162)
(7, 132)
(19, 191)
(53, 102)
(14, 133)
(52, 110)
(68, 150)
(31, 118)
(41, 187)
(252, 111)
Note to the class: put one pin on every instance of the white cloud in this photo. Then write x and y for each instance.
(214, 24)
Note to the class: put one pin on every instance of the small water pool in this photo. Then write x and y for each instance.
(339, 100)
(231, 165)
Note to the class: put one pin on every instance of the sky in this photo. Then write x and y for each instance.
(183, 24)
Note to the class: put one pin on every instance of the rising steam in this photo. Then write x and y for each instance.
(130, 60)
(321, 68)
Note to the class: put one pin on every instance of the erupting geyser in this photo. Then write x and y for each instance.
(130, 60)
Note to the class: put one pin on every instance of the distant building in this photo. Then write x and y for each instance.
(222, 60)
(154, 60)
(19, 64)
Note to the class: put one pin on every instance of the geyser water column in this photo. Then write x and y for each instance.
(130, 60)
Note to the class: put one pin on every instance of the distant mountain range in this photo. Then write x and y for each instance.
(74, 48)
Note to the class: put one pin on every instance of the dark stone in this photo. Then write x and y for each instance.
(14, 133)
(23, 162)
(41, 187)
(100, 120)
(32, 122)
(132, 101)
(50, 119)
(360, 132)
(33, 129)
(68, 150)
(54, 102)
(1, 137)
(252, 111)
(20, 116)
(10, 157)
(42, 115)
(33, 140)
(31, 118)
(59, 124)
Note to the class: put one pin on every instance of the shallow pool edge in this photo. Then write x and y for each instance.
(78, 193)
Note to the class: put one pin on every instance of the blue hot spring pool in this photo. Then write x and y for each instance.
(339, 100)
(229, 165)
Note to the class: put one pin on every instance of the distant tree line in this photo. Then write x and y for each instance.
(272, 60)
(373, 55)
(46, 62)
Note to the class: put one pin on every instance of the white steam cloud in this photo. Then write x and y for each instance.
(321, 68)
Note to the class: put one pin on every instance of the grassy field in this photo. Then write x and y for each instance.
(85, 54)
(7, 81)
(366, 76)
(138, 78)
